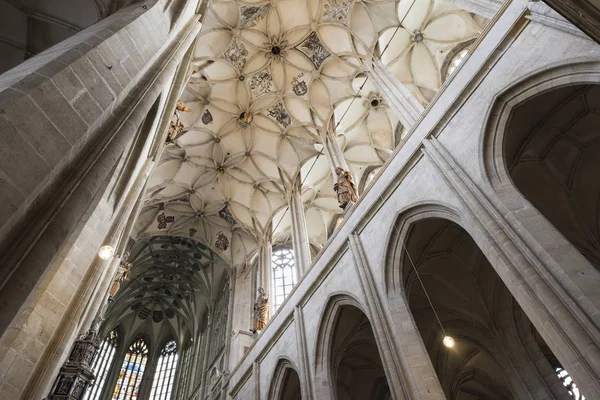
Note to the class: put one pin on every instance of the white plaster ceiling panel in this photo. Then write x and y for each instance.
(268, 81)
(429, 30)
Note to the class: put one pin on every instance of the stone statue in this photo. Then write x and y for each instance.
(175, 129)
(345, 189)
(261, 310)
(121, 275)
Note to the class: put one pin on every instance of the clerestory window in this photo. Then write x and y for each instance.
(284, 274)
(101, 365)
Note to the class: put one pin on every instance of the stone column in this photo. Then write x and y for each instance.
(402, 102)
(300, 241)
(48, 359)
(264, 271)
(483, 8)
(334, 153)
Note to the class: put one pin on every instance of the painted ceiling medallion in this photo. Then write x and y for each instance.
(280, 114)
(261, 83)
(299, 86)
(236, 54)
(336, 10)
(207, 117)
(163, 220)
(251, 15)
(275, 49)
(222, 243)
(226, 215)
(312, 48)
(245, 119)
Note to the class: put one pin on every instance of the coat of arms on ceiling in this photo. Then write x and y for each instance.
(336, 10)
(280, 114)
(193, 232)
(226, 215)
(222, 243)
(261, 83)
(251, 15)
(163, 220)
(236, 54)
(312, 48)
(299, 86)
(207, 117)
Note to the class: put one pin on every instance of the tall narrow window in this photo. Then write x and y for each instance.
(186, 353)
(284, 274)
(132, 371)
(101, 365)
(162, 385)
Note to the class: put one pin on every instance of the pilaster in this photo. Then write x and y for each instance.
(300, 242)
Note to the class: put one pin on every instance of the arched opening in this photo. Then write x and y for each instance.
(355, 364)
(552, 153)
(286, 382)
(496, 352)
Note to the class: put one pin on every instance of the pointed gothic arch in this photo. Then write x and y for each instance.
(285, 383)
(348, 358)
(431, 237)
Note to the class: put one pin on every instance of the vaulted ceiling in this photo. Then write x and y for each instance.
(271, 83)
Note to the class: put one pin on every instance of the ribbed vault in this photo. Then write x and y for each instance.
(275, 88)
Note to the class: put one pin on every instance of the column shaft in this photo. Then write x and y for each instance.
(300, 241)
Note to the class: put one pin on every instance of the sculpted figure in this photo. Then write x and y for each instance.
(181, 107)
(121, 276)
(345, 189)
(261, 309)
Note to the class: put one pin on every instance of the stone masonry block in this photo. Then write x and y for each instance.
(130, 47)
(87, 108)
(18, 160)
(19, 368)
(93, 82)
(10, 198)
(104, 69)
(68, 83)
(58, 109)
(117, 69)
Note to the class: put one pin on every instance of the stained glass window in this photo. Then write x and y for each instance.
(284, 274)
(102, 362)
(162, 384)
(132, 371)
(569, 384)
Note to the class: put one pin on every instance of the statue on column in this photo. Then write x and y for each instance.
(121, 276)
(261, 310)
(345, 189)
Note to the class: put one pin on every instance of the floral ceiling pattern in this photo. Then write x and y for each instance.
(270, 85)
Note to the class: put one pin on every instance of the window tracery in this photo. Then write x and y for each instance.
(132, 371)
(102, 363)
(162, 384)
(284, 274)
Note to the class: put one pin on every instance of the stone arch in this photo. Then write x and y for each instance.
(285, 383)
(463, 286)
(345, 332)
(562, 240)
(577, 71)
(404, 219)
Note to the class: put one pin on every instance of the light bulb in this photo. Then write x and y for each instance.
(106, 252)
(448, 342)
